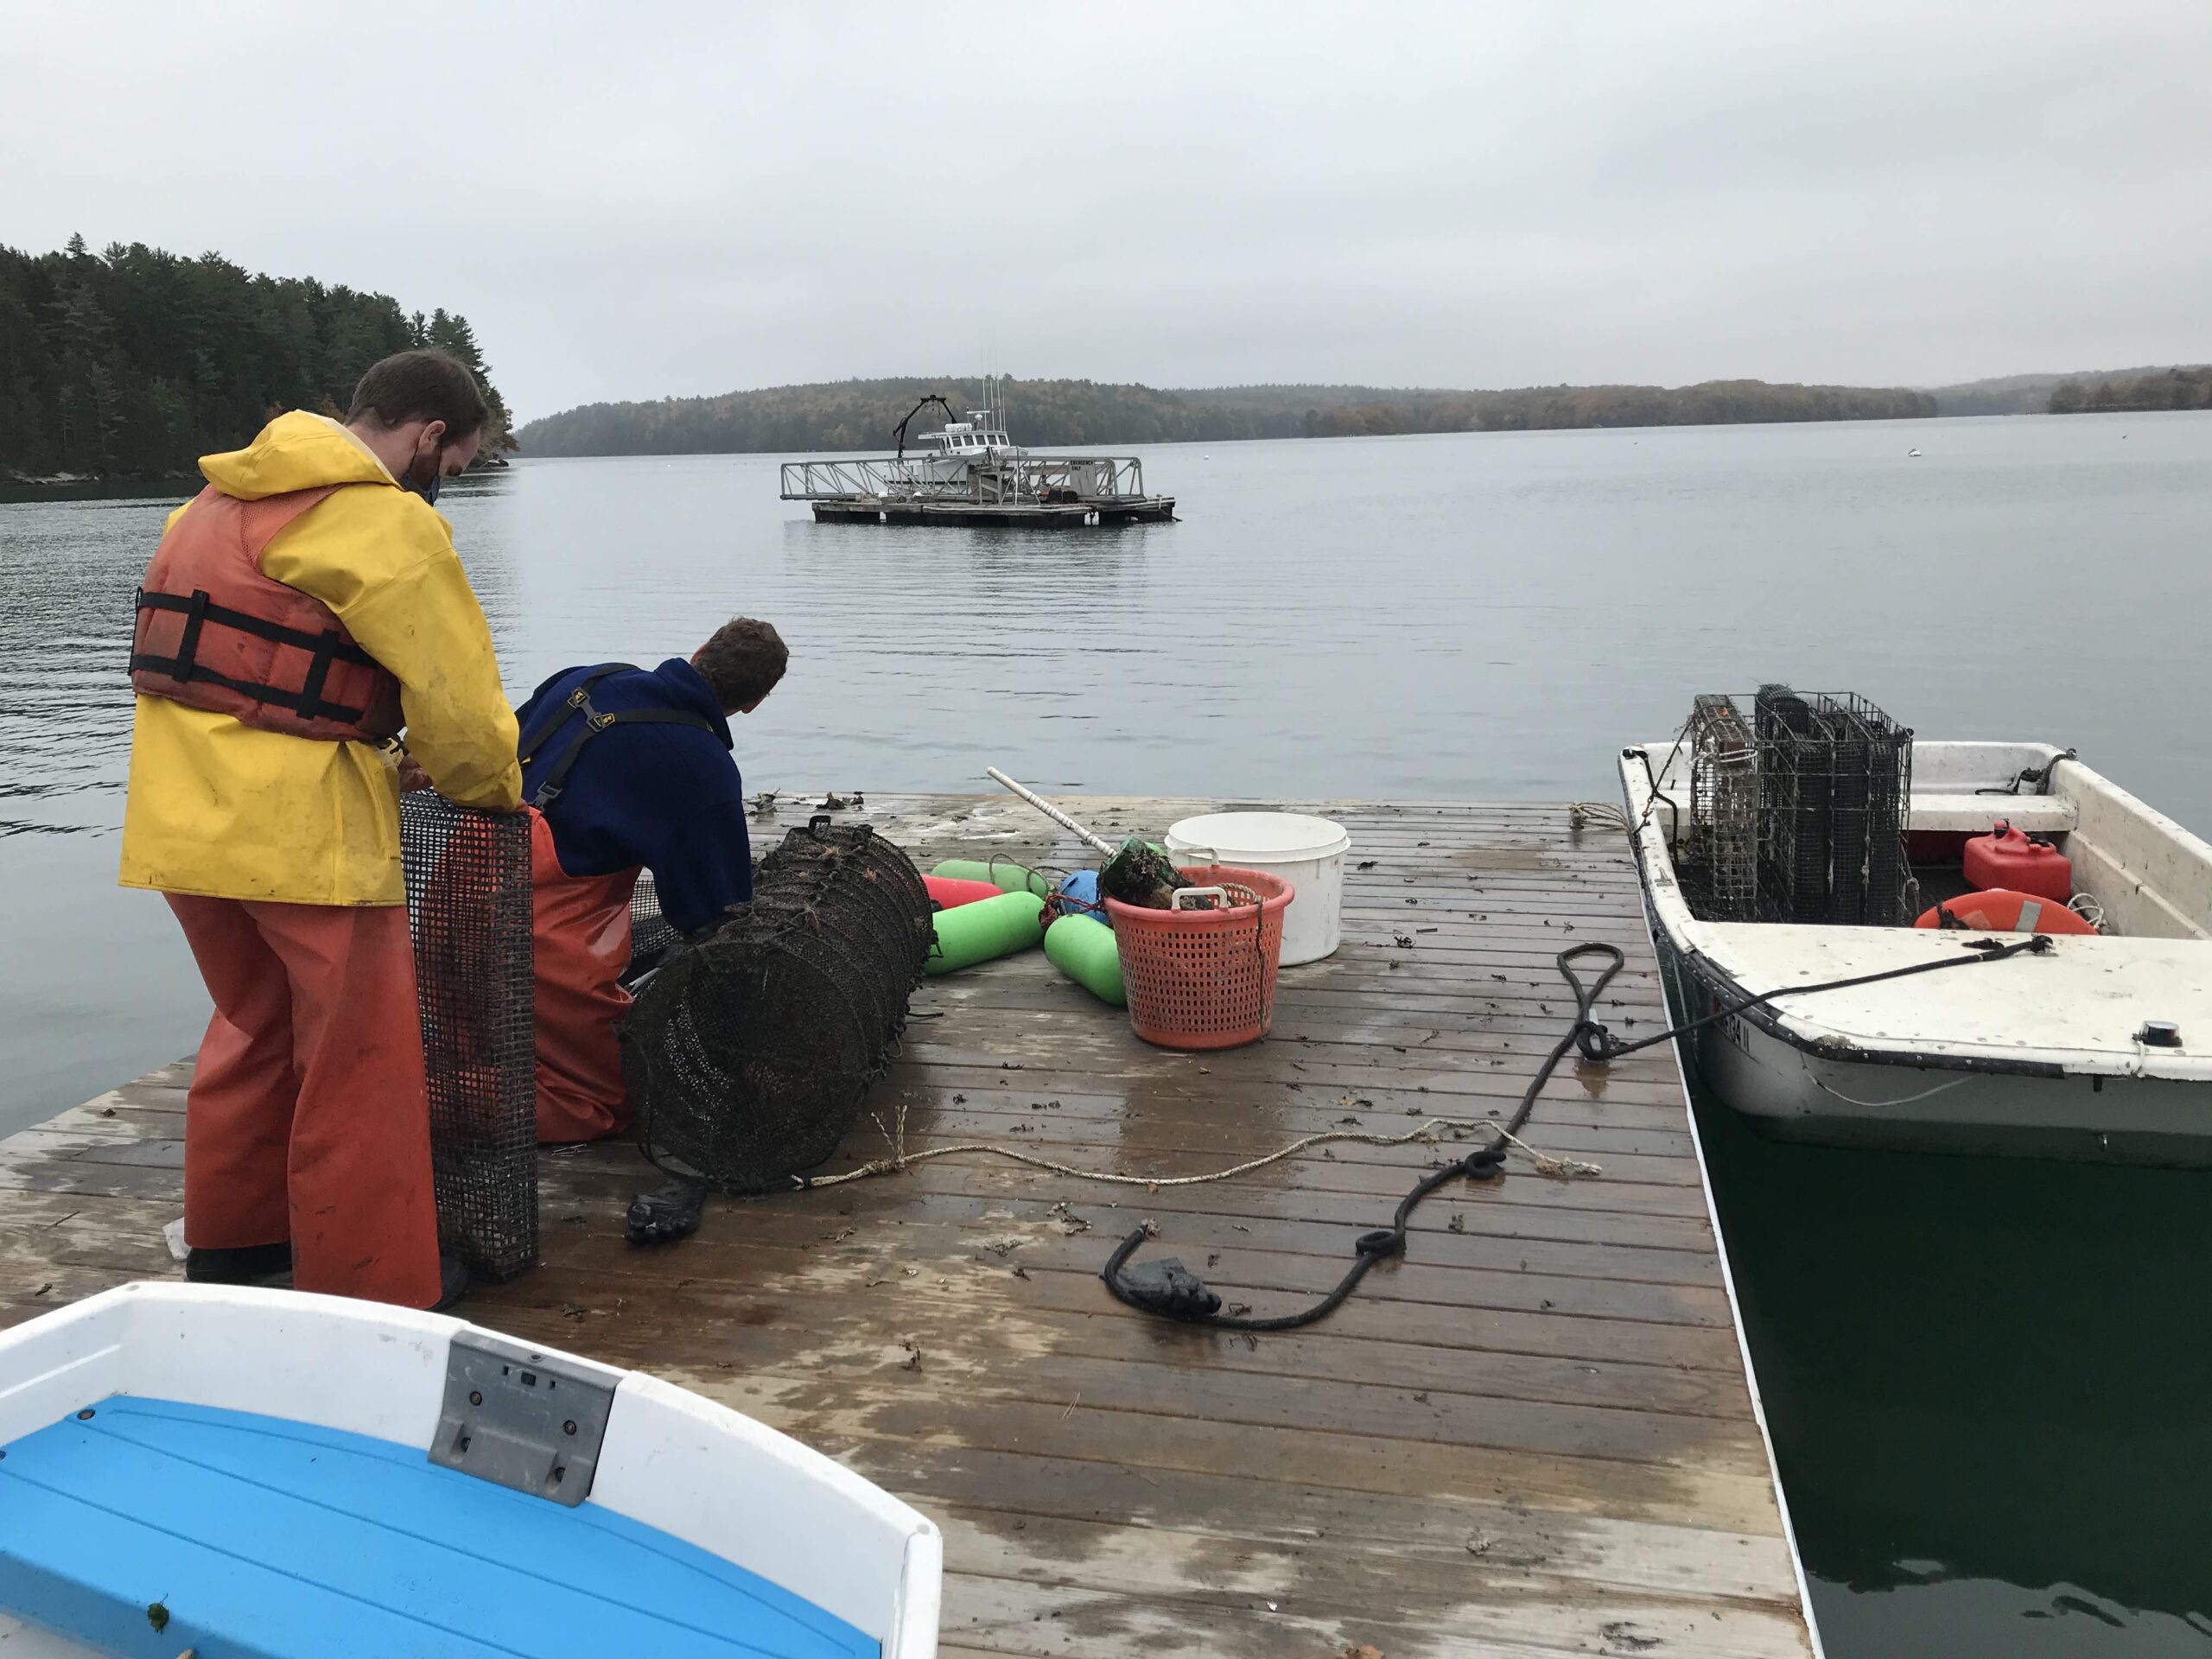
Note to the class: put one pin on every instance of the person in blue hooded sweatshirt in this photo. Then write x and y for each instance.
(627, 768)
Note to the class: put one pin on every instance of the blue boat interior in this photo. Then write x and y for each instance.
(146, 1527)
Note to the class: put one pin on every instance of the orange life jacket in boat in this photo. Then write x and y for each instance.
(2002, 911)
(214, 632)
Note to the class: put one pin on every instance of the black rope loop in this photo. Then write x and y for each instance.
(1166, 1289)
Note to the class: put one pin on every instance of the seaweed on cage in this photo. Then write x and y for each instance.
(469, 908)
(1138, 872)
(748, 1054)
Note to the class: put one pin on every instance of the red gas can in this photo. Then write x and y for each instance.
(2023, 863)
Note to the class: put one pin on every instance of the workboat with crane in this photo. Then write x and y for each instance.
(949, 455)
(971, 472)
(1881, 939)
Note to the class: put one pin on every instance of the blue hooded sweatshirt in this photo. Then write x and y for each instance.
(666, 797)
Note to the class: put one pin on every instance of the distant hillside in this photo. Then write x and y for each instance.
(850, 414)
(2021, 394)
(2180, 388)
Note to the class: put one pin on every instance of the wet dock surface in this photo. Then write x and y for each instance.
(1532, 1436)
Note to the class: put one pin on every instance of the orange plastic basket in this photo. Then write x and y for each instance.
(1205, 978)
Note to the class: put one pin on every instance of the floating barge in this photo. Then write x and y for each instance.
(1033, 491)
(972, 473)
(1532, 1435)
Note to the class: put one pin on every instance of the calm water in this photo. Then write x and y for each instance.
(1987, 1380)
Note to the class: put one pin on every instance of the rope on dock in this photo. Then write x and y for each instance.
(1168, 1290)
(1544, 1163)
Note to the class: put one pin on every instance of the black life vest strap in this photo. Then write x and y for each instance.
(579, 701)
(201, 607)
(307, 703)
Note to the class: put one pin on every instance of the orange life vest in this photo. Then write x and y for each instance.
(214, 632)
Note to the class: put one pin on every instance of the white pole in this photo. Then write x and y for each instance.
(1048, 809)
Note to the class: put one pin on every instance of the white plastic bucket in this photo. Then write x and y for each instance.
(1308, 853)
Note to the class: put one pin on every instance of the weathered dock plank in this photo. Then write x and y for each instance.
(1531, 1437)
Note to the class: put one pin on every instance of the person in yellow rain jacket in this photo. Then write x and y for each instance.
(299, 610)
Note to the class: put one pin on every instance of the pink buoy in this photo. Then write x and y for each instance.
(949, 893)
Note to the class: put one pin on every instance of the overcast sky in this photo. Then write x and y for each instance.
(635, 201)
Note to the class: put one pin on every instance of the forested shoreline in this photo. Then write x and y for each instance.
(2179, 388)
(132, 363)
(859, 414)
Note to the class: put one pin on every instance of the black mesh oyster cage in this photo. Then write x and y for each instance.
(1798, 809)
(748, 1053)
(468, 907)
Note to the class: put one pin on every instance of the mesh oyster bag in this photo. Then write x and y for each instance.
(469, 908)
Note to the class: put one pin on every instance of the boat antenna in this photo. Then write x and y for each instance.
(899, 433)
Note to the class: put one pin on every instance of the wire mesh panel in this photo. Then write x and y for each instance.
(468, 904)
(1721, 858)
(747, 1055)
(1798, 815)
(1794, 763)
(1887, 766)
(650, 935)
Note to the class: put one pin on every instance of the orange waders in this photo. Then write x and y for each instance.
(580, 941)
(309, 1117)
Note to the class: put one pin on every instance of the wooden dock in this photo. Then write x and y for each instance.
(1531, 1437)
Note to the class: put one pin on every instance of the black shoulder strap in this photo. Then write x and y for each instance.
(551, 719)
(579, 701)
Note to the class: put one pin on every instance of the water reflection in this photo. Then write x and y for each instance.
(1984, 1379)
(66, 618)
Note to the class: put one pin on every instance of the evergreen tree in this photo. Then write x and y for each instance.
(135, 362)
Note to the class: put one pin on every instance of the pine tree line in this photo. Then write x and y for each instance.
(133, 363)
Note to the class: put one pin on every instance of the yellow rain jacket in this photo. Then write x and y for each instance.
(219, 807)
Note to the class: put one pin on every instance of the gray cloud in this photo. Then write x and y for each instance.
(669, 199)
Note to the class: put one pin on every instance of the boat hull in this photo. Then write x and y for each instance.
(1795, 1091)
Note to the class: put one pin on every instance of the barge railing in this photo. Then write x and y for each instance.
(986, 480)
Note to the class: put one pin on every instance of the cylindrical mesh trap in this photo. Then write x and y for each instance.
(748, 1055)
(468, 904)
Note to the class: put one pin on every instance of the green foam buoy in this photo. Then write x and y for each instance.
(987, 929)
(1084, 951)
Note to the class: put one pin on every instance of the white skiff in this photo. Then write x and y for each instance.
(2099, 1047)
(262, 1474)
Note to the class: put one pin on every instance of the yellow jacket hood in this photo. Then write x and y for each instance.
(298, 451)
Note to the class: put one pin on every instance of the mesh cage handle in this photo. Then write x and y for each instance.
(819, 826)
(1219, 895)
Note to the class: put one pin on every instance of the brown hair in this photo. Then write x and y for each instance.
(742, 662)
(420, 385)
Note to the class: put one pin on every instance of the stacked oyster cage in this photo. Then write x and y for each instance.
(1798, 812)
(748, 1053)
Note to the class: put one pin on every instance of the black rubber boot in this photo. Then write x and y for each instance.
(242, 1264)
(453, 1282)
